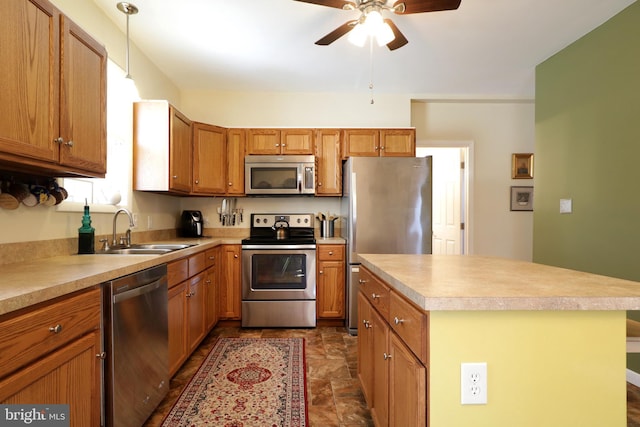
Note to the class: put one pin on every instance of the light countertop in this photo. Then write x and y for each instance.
(451, 282)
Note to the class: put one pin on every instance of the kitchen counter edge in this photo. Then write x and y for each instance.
(477, 283)
(28, 283)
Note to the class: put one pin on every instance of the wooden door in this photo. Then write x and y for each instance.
(361, 142)
(381, 352)
(397, 142)
(365, 348)
(328, 163)
(209, 159)
(29, 127)
(231, 283)
(196, 311)
(177, 313)
(407, 387)
(83, 100)
(296, 141)
(330, 297)
(70, 375)
(235, 161)
(179, 152)
(263, 141)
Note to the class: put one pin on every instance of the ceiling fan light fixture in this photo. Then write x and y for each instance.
(358, 36)
(128, 9)
(384, 34)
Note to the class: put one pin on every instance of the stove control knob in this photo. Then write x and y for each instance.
(257, 220)
(306, 220)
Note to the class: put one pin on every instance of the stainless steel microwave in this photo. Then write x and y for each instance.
(279, 175)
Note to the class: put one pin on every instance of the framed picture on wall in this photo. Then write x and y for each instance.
(521, 198)
(522, 166)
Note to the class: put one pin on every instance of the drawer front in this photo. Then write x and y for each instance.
(410, 324)
(210, 257)
(177, 271)
(376, 292)
(330, 252)
(34, 334)
(197, 263)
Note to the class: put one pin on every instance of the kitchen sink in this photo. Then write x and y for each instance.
(144, 249)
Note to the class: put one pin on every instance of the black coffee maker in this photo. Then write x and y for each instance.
(192, 224)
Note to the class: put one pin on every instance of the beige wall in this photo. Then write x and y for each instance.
(497, 129)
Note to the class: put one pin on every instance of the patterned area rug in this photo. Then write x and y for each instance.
(246, 382)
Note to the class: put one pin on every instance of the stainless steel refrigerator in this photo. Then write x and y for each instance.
(385, 209)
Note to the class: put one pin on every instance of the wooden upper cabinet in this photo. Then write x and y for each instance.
(236, 140)
(263, 141)
(379, 143)
(162, 151)
(328, 162)
(209, 159)
(53, 120)
(398, 142)
(296, 141)
(279, 141)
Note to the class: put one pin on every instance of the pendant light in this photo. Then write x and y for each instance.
(128, 9)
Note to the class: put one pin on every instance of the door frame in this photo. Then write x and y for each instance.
(466, 186)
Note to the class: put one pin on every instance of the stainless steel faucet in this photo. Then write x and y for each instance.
(128, 234)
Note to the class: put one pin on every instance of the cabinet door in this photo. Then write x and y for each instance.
(212, 281)
(380, 407)
(180, 152)
(263, 141)
(177, 312)
(328, 163)
(70, 375)
(231, 283)
(365, 348)
(330, 297)
(28, 128)
(196, 311)
(296, 141)
(209, 159)
(407, 387)
(83, 100)
(398, 142)
(235, 161)
(361, 142)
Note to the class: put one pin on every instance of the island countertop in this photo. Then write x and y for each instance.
(468, 282)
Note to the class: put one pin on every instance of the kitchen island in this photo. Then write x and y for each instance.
(553, 339)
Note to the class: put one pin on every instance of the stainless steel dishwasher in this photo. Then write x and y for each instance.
(137, 346)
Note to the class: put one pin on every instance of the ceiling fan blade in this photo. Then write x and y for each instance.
(419, 6)
(400, 40)
(337, 33)
(338, 4)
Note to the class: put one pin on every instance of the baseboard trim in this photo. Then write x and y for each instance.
(633, 378)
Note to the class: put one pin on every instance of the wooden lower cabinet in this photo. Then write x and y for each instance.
(393, 378)
(330, 282)
(177, 321)
(196, 311)
(212, 283)
(59, 360)
(230, 289)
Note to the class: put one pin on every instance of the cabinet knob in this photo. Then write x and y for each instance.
(60, 140)
(189, 294)
(277, 145)
(386, 356)
(320, 272)
(319, 184)
(197, 181)
(208, 282)
(102, 355)
(175, 176)
(56, 329)
(230, 184)
(212, 258)
(382, 147)
(375, 296)
(398, 321)
(235, 255)
(377, 148)
(366, 324)
(362, 281)
(330, 252)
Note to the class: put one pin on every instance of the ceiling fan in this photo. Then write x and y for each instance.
(372, 23)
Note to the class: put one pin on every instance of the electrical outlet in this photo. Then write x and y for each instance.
(473, 383)
(150, 222)
(135, 220)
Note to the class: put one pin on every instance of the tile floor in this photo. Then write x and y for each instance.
(334, 397)
(333, 391)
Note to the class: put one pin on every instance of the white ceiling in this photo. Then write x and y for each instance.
(484, 48)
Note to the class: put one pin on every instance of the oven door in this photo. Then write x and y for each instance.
(279, 272)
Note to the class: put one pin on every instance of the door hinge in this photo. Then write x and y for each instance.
(461, 165)
(462, 226)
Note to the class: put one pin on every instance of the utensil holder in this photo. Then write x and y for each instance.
(326, 228)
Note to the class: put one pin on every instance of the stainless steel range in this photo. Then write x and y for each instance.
(279, 271)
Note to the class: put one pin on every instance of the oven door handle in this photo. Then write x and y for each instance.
(278, 247)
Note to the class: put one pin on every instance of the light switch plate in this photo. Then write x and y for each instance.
(566, 206)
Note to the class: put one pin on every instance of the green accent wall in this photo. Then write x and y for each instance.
(588, 150)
